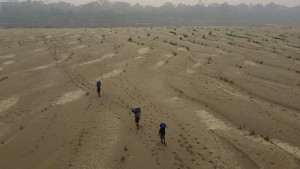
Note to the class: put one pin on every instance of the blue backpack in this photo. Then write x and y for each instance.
(136, 110)
(163, 125)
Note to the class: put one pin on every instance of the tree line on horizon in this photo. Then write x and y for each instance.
(103, 13)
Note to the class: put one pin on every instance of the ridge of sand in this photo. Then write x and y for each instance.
(41, 67)
(160, 63)
(38, 50)
(74, 36)
(73, 42)
(8, 56)
(112, 74)
(214, 123)
(9, 62)
(69, 97)
(3, 129)
(250, 63)
(110, 55)
(197, 64)
(143, 50)
(169, 55)
(139, 57)
(79, 47)
(7, 103)
(182, 49)
(190, 71)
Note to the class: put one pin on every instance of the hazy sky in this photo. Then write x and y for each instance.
(192, 2)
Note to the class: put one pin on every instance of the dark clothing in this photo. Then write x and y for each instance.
(137, 119)
(162, 131)
(137, 115)
(98, 84)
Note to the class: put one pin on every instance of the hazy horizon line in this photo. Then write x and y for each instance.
(144, 5)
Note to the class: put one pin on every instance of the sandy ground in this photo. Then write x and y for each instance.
(229, 96)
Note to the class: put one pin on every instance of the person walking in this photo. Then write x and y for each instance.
(162, 132)
(98, 85)
(137, 116)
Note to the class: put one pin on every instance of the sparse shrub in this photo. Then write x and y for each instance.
(130, 39)
(174, 33)
(252, 132)
(185, 36)
(187, 48)
(180, 38)
(266, 138)
(174, 53)
(148, 34)
(122, 159)
(125, 148)
(210, 33)
(173, 43)
(203, 37)
(21, 127)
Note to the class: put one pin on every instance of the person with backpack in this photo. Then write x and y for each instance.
(137, 115)
(98, 85)
(162, 132)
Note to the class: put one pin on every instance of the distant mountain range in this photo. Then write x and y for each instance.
(103, 13)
